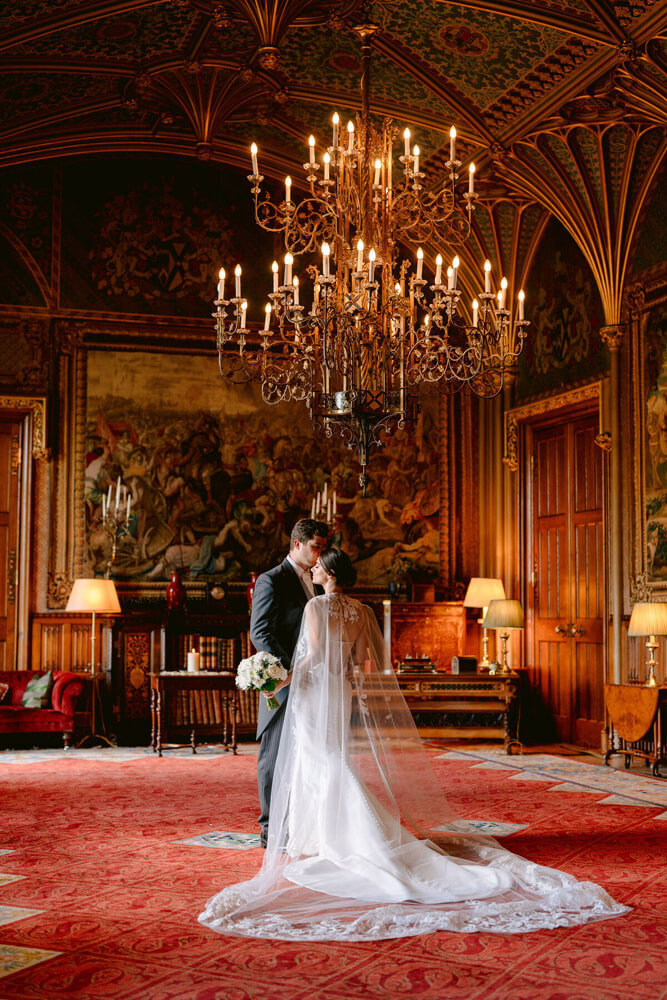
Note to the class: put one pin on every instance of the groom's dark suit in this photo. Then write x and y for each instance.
(277, 609)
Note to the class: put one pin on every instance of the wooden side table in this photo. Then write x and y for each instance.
(638, 715)
(465, 694)
(179, 701)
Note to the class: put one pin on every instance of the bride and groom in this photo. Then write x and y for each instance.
(360, 842)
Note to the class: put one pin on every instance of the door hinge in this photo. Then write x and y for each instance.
(15, 455)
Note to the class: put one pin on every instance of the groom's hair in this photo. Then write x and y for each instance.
(308, 528)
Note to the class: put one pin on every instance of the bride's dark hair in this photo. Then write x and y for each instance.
(337, 563)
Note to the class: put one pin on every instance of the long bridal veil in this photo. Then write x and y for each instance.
(362, 844)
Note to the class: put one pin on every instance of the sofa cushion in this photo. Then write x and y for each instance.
(38, 691)
(4, 691)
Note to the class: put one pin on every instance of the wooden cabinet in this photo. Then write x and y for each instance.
(468, 706)
(437, 630)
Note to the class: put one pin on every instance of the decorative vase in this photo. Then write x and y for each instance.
(175, 593)
(250, 589)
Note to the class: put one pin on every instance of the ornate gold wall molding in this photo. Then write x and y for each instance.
(36, 405)
(548, 404)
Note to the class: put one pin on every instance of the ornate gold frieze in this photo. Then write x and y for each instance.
(529, 410)
(37, 406)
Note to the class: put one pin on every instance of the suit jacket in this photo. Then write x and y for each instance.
(275, 622)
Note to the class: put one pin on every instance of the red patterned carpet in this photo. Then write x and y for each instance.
(95, 844)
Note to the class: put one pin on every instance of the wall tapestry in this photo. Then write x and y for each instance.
(217, 478)
(655, 444)
(565, 312)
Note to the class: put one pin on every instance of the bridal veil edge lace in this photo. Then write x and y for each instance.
(362, 844)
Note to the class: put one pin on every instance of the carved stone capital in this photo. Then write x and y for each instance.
(269, 58)
(603, 440)
(612, 336)
(68, 337)
(58, 589)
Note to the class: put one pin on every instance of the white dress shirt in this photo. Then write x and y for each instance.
(305, 578)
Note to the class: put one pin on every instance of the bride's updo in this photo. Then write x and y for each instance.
(337, 564)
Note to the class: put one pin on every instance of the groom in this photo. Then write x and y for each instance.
(277, 608)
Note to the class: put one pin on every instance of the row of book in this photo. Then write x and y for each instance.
(215, 653)
(208, 708)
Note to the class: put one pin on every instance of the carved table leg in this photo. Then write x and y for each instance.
(153, 720)
(158, 710)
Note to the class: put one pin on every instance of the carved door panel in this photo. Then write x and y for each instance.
(567, 593)
(10, 480)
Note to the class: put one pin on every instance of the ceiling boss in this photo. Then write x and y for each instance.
(376, 329)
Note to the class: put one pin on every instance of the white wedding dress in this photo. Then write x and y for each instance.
(356, 847)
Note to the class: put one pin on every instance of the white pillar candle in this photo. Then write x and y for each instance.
(471, 179)
(289, 260)
(335, 121)
(452, 143)
(325, 259)
(237, 280)
(274, 268)
(450, 278)
(221, 283)
(420, 263)
(487, 276)
(329, 510)
(378, 168)
(455, 268)
(193, 662)
(244, 313)
(267, 315)
(390, 163)
(104, 507)
(475, 312)
(253, 153)
(311, 149)
(503, 292)
(312, 509)
(295, 285)
(129, 504)
(327, 161)
(415, 153)
(360, 255)
(288, 190)
(371, 265)
(438, 269)
(317, 505)
(334, 503)
(109, 499)
(521, 301)
(350, 136)
(117, 493)
(406, 141)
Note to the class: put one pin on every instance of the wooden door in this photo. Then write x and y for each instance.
(566, 641)
(10, 480)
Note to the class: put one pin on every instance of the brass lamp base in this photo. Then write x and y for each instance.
(651, 680)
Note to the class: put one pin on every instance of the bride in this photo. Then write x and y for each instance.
(361, 843)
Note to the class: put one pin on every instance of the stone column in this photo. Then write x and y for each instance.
(612, 336)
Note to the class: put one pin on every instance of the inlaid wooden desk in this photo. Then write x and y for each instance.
(180, 702)
(442, 703)
(638, 716)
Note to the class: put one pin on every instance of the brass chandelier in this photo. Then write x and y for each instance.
(374, 332)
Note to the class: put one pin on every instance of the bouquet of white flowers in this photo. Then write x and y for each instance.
(261, 672)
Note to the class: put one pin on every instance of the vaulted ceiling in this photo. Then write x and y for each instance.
(561, 103)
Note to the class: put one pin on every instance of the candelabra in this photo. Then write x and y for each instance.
(113, 519)
(373, 332)
(325, 506)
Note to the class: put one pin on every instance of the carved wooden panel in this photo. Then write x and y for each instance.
(437, 630)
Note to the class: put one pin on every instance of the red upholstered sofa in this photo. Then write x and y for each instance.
(58, 718)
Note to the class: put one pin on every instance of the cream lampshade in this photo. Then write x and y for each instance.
(505, 615)
(650, 620)
(481, 591)
(96, 597)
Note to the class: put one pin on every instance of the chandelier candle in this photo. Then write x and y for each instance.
(375, 330)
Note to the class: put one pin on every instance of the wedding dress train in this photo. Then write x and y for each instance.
(358, 845)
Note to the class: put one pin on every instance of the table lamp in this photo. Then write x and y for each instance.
(650, 620)
(481, 591)
(505, 615)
